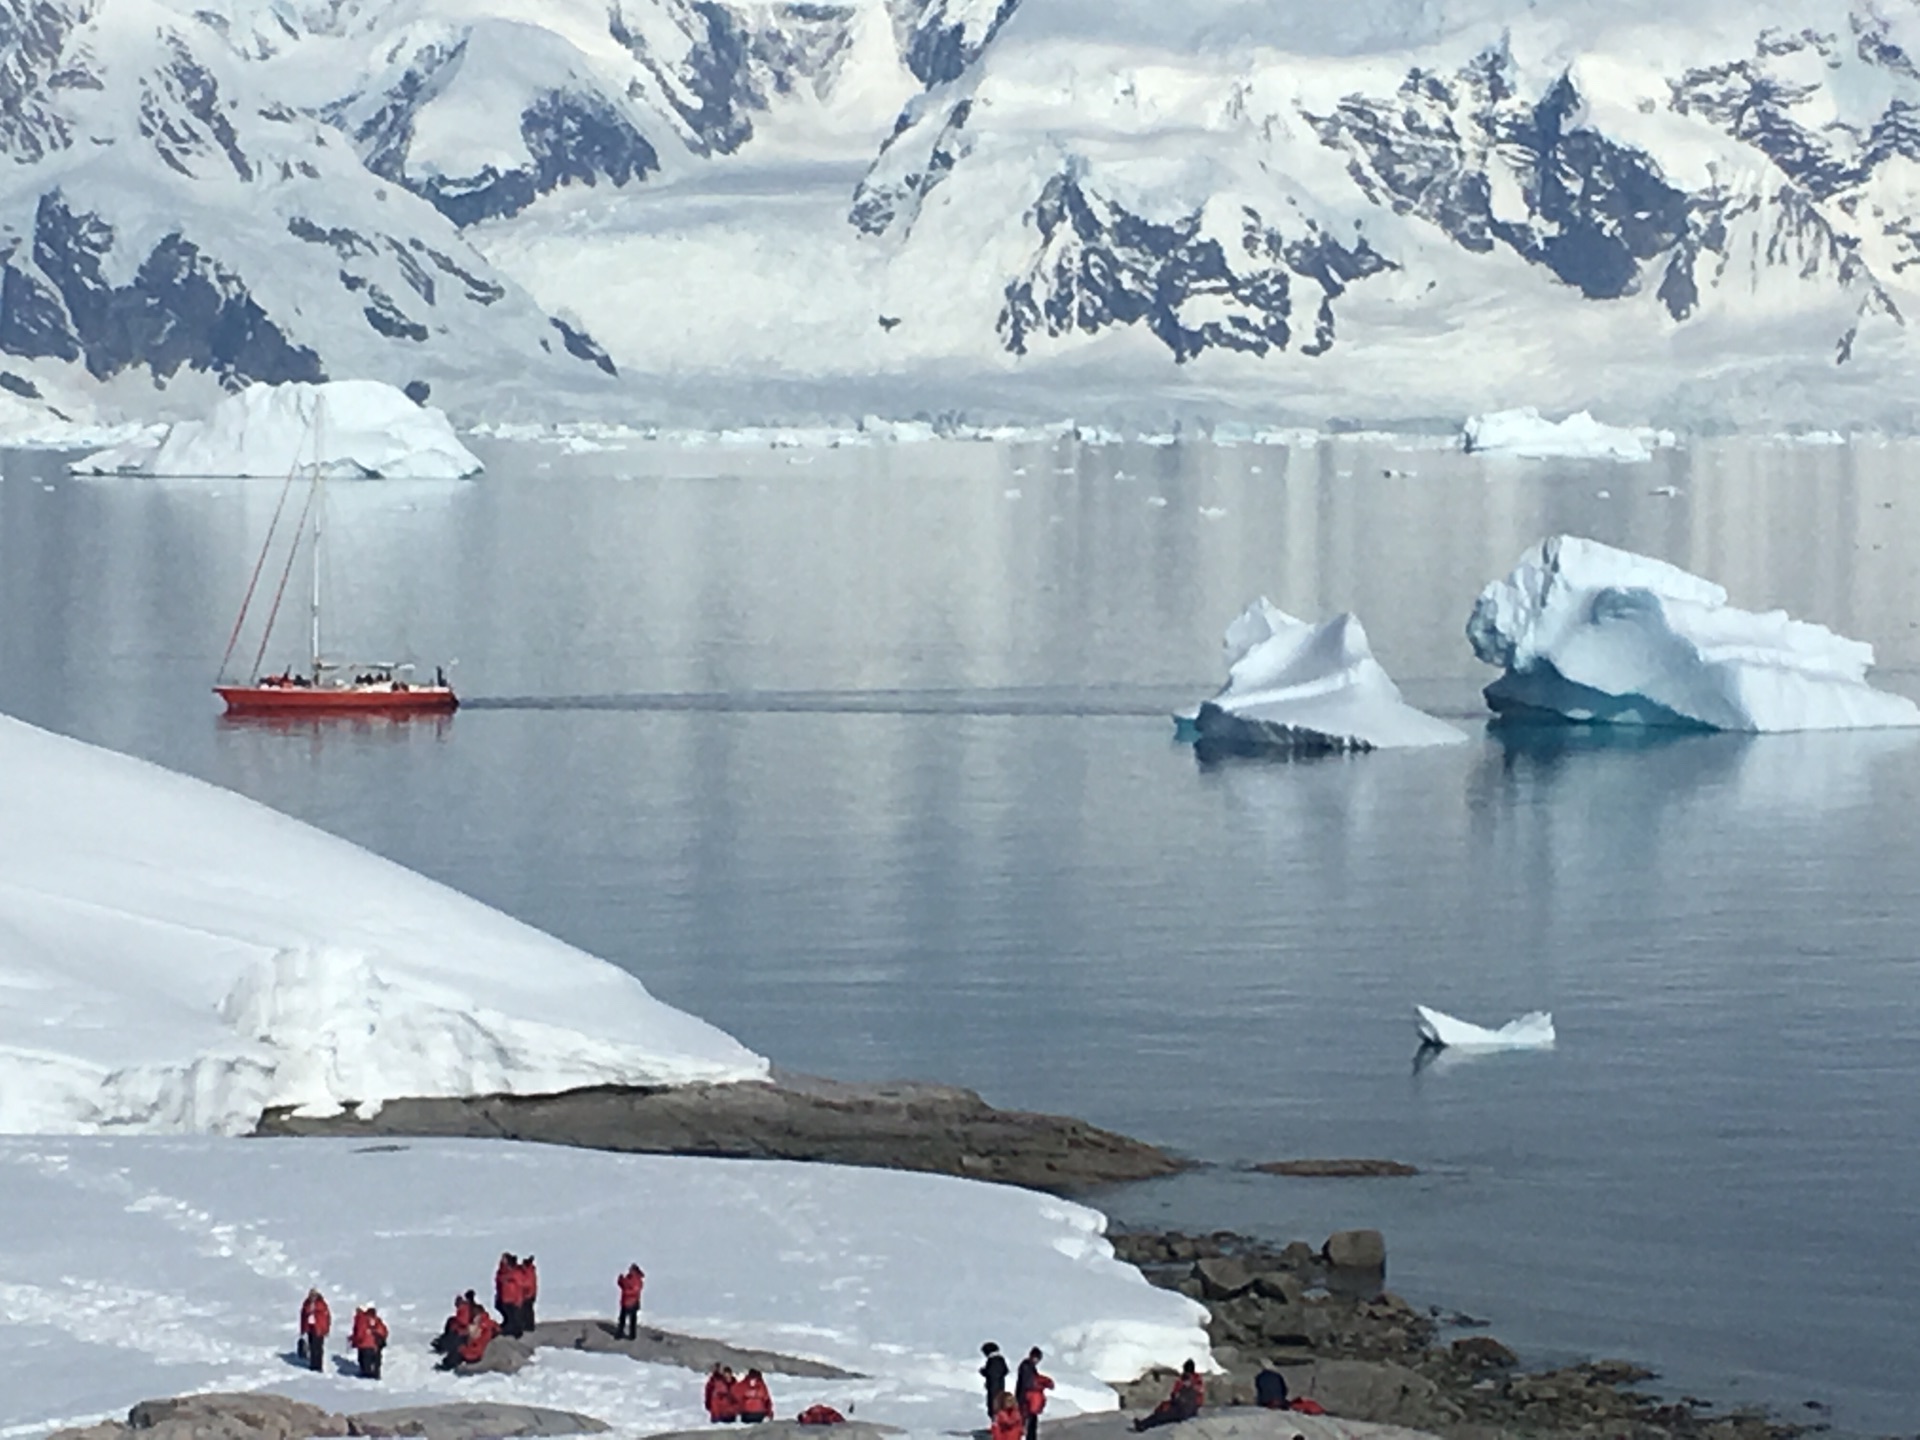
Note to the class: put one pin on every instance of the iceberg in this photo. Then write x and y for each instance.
(1584, 632)
(351, 428)
(1299, 688)
(177, 958)
(1528, 435)
(1532, 1031)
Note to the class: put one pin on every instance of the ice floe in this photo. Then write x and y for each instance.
(1584, 632)
(1528, 435)
(1532, 1031)
(175, 957)
(345, 427)
(1297, 687)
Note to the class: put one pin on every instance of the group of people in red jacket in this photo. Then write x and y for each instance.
(1014, 1414)
(744, 1398)
(516, 1285)
(368, 1335)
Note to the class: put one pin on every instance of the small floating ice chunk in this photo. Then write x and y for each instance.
(1211, 512)
(1159, 502)
(1528, 435)
(1533, 1031)
(1588, 633)
(1299, 688)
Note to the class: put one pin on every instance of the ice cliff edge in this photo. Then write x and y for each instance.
(1587, 633)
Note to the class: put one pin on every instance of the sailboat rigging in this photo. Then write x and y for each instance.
(325, 687)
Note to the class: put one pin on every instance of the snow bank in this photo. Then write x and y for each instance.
(1586, 632)
(347, 427)
(174, 957)
(1532, 1031)
(1293, 686)
(1525, 433)
(139, 1267)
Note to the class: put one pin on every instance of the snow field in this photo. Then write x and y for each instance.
(174, 957)
(141, 1267)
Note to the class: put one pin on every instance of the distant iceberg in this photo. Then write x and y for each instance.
(1585, 632)
(1528, 435)
(1533, 1031)
(346, 427)
(1300, 688)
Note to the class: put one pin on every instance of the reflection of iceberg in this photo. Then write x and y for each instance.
(345, 427)
(1533, 1031)
(1588, 633)
(1300, 688)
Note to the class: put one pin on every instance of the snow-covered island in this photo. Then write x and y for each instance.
(1584, 632)
(1298, 688)
(1526, 434)
(349, 428)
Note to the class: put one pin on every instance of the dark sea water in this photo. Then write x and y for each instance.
(863, 755)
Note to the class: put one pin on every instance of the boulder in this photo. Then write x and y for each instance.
(505, 1356)
(472, 1422)
(1356, 1250)
(232, 1417)
(1382, 1391)
(1280, 1286)
(1483, 1352)
(1222, 1277)
(789, 1430)
(1298, 1255)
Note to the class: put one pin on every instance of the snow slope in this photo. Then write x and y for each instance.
(142, 1267)
(176, 957)
(358, 428)
(1585, 632)
(1296, 686)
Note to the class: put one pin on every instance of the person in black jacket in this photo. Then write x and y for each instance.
(1270, 1389)
(994, 1372)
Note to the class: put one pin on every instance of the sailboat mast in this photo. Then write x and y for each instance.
(319, 521)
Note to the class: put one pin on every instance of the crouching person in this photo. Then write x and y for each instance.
(473, 1349)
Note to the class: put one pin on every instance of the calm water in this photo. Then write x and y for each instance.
(863, 755)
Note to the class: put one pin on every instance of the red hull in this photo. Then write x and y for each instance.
(336, 700)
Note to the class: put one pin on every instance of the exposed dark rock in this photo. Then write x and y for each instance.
(182, 309)
(936, 47)
(19, 385)
(473, 1421)
(1356, 1250)
(903, 1126)
(794, 1430)
(664, 1347)
(582, 346)
(1337, 1169)
(418, 391)
(274, 1417)
(1483, 1352)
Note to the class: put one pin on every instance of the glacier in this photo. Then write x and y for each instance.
(174, 957)
(354, 428)
(1298, 688)
(1532, 1031)
(1528, 435)
(1012, 210)
(1584, 632)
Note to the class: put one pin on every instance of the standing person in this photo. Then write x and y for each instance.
(369, 1341)
(1030, 1390)
(753, 1401)
(722, 1407)
(529, 1292)
(994, 1372)
(627, 1327)
(503, 1287)
(316, 1320)
(513, 1312)
(1008, 1422)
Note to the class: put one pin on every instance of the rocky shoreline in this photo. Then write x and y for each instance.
(1324, 1318)
(906, 1125)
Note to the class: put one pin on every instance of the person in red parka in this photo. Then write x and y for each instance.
(503, 1287)
(473, 1348)
(512, 1289)
(722, 1406)
(1008, 1422)
(627, 1327)
(1030, 1389)
(1183, 1403)
(369, 1340)
(529, 1292)
(751, 1398)
(316, 1320)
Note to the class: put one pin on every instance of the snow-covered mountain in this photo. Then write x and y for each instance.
(1397, 208)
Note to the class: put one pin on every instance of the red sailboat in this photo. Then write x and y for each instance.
(326, 687)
